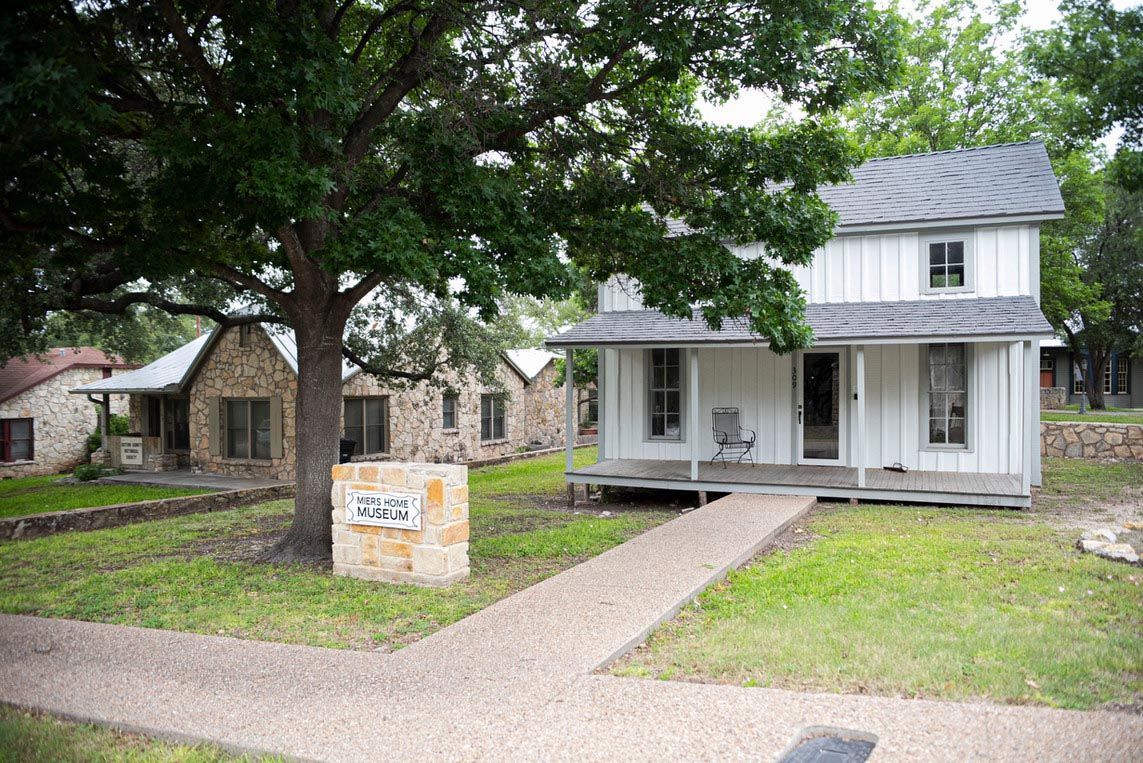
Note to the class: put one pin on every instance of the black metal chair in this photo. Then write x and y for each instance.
(730, 437)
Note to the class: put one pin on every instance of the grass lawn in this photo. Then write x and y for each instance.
(195, 573)
(32, 738)
(35, 495)
(1094, 417)
(934, 602)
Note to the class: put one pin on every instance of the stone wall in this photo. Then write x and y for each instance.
(534, 413)
(61, 422)
(1067, 439)
(1053, 398)
(434, 555)
(229, 372)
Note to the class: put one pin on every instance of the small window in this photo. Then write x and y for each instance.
(1047, 363)
(948, 395)
(491, 418)
(448, 412)
(17, 440)
(947, 265)
(244, 335)
(367, 424)
(248, 429)
(665, 388)
(1121, 376)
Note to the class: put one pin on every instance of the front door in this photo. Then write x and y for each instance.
(821, 415)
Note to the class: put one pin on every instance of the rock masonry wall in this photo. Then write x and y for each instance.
(1066, 439)
(435, 555)
(61, 422)
(1053, 398)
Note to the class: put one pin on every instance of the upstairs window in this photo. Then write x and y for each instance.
(947, 265)
(948, 395)
(16, 440)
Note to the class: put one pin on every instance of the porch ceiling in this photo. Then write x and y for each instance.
(993, 318)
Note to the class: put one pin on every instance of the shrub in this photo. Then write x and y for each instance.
(88, 472)
(117, 425)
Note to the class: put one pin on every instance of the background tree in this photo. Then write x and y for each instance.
(971, 77)
(313, 160)
(141, 334)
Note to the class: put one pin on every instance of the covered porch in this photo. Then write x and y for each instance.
(823, 481)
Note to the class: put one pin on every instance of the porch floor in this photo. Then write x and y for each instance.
(825, 481)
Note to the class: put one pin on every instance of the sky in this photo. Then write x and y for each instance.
(748, 107)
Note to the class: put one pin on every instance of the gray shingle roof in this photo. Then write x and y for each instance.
(1006, 180)
(831, 322)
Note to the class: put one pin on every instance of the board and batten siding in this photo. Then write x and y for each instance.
(888, 266)
(760, 384)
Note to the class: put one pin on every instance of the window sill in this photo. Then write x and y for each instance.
(450, 430)
(499, 441)
(948, 290)
(17, 463)
(947, 449)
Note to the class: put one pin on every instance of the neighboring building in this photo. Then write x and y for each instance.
(1060, 368)
(926, 317)
(225, 403)
(43, 429)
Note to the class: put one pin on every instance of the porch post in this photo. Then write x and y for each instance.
(861, 415)
(693, 386)
(1031, 426)
(569, 420)
(105, 423)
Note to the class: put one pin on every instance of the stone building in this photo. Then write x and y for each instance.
(43, 429)
(225, 403)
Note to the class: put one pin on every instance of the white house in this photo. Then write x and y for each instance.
(926, 321)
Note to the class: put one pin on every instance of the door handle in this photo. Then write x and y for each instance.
(799, 415)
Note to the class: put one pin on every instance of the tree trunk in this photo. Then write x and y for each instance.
(317, 427)
(1094, 384)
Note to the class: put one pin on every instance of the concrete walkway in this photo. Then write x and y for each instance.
(186, 478)
(513, 680)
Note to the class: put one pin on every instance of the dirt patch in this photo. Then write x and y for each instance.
(1084, 513)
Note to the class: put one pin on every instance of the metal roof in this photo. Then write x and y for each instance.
(835, 322)
(529, 363)
(166, 374)
(1005, 180)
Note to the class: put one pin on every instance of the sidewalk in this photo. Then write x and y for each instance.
(513, 680)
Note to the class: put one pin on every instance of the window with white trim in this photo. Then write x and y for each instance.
(1121, 375)
(665, 384)
(948, 395)
(1107, 378)
(946, 264)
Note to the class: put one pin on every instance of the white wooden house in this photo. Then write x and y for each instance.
(926, 318)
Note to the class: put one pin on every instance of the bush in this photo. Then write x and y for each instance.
(117, 425)
(89, 472)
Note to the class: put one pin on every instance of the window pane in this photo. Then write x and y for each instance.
(936, 353)
(956, 431)
(672, 377)
(498, 425)
(657, 357)
(956, 404)
(485, 428)
(485, 406)
(956, 276)
(673, 429)
(260, 423)
(375, 411)
(672, 357)
(954, 353)
(374, 439)
(955, 251)
(236, 414)
(673, 403)
(20, 429)
(659, 377)
(938, 405)
(353, 413)
(238, 443)
(937, 254)
(955, 377)
(937, 431)
(658, 425)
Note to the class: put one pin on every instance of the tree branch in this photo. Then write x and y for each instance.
(192, 52)
(228, 273)
(119, 305)
(390, 373)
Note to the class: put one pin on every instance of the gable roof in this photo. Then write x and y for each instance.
(174, 371)
(528, 362)
(21, 374)
(1004, 180)
(836, 322)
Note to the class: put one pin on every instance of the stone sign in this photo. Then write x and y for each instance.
(401, 522)
(373, 507)
(131, 451)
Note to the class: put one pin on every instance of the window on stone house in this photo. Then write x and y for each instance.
(491, 417)
(17, 440)
(244, 335)
(248, 429)
(448, 412)
(367, 424)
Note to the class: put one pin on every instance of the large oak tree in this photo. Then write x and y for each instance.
(412, 159)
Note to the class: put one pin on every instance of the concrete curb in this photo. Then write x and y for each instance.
(99, 517)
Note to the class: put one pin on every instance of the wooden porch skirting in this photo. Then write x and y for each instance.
(824, 481)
